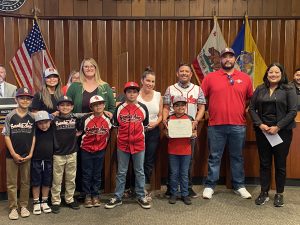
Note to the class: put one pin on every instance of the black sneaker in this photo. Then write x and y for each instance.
(186, 200)
(144, 203)
(262, 198)
(278, 200)
(73, 205)
(113, 202)
(55, 209)
(168, 193)
(172, 199)
(192, 193)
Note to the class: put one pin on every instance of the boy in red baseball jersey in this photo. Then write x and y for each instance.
(131, 118)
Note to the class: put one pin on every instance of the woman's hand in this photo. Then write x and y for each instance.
(152, 125)
(108, 114)
(56, 113)
(273, 130)
(264, 128)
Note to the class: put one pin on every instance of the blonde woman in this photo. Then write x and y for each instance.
(47, 98)
(90, 84)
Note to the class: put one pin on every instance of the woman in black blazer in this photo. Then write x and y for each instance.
(273, 108)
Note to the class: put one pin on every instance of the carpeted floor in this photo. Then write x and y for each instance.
(224, 208)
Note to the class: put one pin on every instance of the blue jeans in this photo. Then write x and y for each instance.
(91, 165)
(218, 136)
(138, 166)
(179, 171)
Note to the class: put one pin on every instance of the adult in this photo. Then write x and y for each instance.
(153, 100)
(296, 83)
(47, 98)
(73, 77)
(6, 89)
(90, 84)
(228, 91)
(273, 108)
(195, 107)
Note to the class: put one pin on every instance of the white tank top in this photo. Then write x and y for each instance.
(152, 106)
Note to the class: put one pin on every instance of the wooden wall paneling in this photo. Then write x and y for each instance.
(268, 32)
(44, 27)
(80, 8)
(185, 41)
(251, 155)
(275, 41)
(226, 7)
(234, 29)
(109, 8)
(130, 48)
(51, 7)
(2, 42)
(224, 25)
(160, 68)
(269, 7)
(181, 8)
(152, 47)
(26, 8)
(261, 41)
(138, 49)
(94, 8)
(165, 55)
(293, 166)
(282, 42)
(197, 8)
(24, 27)
(94, 40)
(66, 8)
(295, 7)
(284, 8)
(289, 48)
(102, 49)
(192, 40)
(73, 45)
(66, 52)
(211, 7)
(179, 42)
(124, 8)
(123, 56)
(167, 8)
(255, 7)
(239, 7)
(59, 46)
(297, 45)
(173, 63)
(113, 79)
(138, 8)
(108, 46)
(87, 39)
(145, 50)
(40, 4)
(152, 8)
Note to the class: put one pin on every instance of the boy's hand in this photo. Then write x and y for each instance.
(109, 114)
(78, 133)
(17, 158)
(27, 158)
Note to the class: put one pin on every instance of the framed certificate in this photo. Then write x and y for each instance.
(181, 128)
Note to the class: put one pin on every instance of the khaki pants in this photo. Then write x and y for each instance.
(12, 169)
(64, 164)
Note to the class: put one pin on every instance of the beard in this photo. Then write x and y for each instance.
(227, 67)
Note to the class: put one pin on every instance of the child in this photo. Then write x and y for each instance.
(96, 128)
(65, 154)
(131, 117)
(41, 163)
(179, 150)
(20, 140)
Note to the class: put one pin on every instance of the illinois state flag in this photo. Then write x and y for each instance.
(31, 59)
(249, 58)
(208, 60)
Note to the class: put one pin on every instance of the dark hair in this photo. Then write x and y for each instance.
(148, 70)
(283, 80)
(184, 64)
(298, 69)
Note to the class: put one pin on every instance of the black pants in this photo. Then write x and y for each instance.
(280, 152)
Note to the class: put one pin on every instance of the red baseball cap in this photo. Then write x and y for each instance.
(131, 85)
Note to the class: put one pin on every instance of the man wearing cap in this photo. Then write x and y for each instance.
(195, 107)
(6, 89)
(228, 92)
(131, 118)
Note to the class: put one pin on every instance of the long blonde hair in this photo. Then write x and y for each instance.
(98, 79)
(46, 96)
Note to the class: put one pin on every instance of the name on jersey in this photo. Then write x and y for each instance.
(97, 130)
(130, 118)
(22, 127)
(66, 124)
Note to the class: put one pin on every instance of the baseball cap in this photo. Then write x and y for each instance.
(227, 50)
(131, 85)
(24, 91)
(42, 115)
(96, 98)
(50, 71)
(179, 99)
(64, 98)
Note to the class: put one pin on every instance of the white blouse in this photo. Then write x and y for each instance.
(152, 106)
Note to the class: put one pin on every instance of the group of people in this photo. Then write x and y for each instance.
(56, 134)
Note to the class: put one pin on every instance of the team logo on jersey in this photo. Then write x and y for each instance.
(65, 124)
(191, 100)
(11, 5)
(130, 118)
(97, 130)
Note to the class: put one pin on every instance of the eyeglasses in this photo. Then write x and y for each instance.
(88, 67)
(231, 80)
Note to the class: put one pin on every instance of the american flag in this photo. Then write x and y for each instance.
(31, 59)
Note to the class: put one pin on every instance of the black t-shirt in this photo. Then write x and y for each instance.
(21, 132)
(38, 104)
(269, 111)
(86, 96)
(65, 140)
(44, 144)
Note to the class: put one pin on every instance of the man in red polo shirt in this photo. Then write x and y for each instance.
(228, 91)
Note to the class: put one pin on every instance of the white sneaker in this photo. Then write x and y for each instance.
(207, 193)
(24, 212)
(36, 208)
(243, 193)
(13, 215)
(45, 207)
